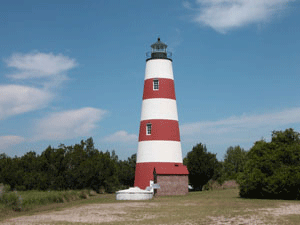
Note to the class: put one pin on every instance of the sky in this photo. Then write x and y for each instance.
(71, 69)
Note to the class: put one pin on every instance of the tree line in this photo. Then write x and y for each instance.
(267, 170)
(81, 166)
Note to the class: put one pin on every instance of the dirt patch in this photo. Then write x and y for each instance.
(114, 212)
(286, 209)
(94, 213)
(221, 220)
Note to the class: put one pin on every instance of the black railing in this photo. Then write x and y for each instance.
(158, 55)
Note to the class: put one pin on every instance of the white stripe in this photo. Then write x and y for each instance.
(159, 108)
(159, 68)
(159, 151)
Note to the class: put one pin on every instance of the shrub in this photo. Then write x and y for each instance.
(20, 188)
(69, 195)
(83, 194)
(273, 168)
(58, 198)
(92, 193)
(4, 188)
(13, 200)
(230, 184)
(211, 185)
(215, 185)
(1, 191)
(101, 190)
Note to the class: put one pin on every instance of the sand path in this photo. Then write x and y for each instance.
(118, 212)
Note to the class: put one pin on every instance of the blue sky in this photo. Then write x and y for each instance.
(71, 70)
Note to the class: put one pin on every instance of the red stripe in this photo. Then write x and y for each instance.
(166, 89)
(165, 130)
(144, 172)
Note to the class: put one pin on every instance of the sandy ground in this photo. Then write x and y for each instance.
(93, 213)
(284, 210)
(100, 213)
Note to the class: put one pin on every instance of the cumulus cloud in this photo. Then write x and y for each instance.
(225, 15)
(8, 141)
(233, 124)
(40, 65)
(239, 130)
(68, 124)
(40, 68)
(17, 99)
(120, 136)
(242, 130)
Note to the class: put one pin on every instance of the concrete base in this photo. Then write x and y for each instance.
(134, 193)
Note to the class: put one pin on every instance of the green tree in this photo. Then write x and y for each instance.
(12, 171)
(126, 171)
(273, 168)
(3, 167)
(29, 166)
(234, 161)
(89, 168)
(67, 167)
(53, 169)
(108, 172)
(202, 166)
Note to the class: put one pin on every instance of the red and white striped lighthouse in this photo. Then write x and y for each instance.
(159, 144)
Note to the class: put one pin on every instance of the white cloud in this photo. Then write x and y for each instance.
(17, 99)
(41, 68)
(240, 129)
(68, 124)
(46, 66)
(235, 123)
(225, 15)
(36, 65)
(7, 141)
(121, 136)
(187, 5)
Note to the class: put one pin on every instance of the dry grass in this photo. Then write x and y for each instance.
(7, 213)
(208, 207)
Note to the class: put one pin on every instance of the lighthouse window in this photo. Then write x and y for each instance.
(148, 129)
(155, 84)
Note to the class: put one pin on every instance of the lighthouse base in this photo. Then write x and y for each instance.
(134, 194)
(171, 177)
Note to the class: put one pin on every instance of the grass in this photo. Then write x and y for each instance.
(205, 207)
(31, 198)
(35, 201)
(210, 206)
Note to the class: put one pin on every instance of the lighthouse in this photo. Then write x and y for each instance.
(159, 155)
